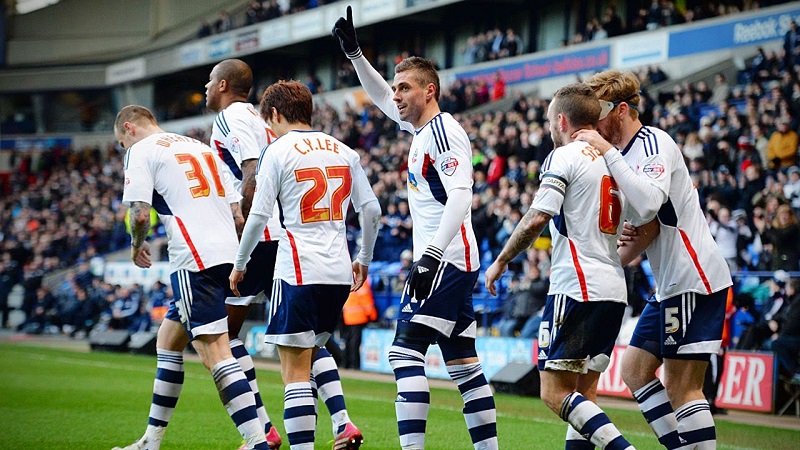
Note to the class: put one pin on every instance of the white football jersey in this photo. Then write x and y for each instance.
(180, 177)
(579, 192)
(313, 178)
(684, 256)
(238, 134)
(440, 159)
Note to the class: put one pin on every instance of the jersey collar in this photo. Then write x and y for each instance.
(630, 143)
(416, 132)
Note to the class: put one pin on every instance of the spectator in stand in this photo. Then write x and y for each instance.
(254, 13)
(782, 148)
(204, 30)
(223, 23)
(721, 91)
(726, 233)
(791, 189)
(498, 87)
(786, 328)
(784, 237)
(791, 46)
(757, 335)
(512, 46)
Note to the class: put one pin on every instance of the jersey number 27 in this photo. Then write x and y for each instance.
(309, 212)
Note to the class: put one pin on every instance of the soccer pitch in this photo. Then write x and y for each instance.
(69, 400)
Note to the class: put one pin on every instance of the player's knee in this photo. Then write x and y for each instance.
(411, 342)
(457, 348)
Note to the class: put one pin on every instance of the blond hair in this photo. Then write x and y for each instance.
(135, 114)
(615, 86)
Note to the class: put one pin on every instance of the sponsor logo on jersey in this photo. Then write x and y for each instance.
(449, 166)
(670, 341)
(412, 181)
(653, 170)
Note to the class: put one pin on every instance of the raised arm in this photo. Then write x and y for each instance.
(377, 88)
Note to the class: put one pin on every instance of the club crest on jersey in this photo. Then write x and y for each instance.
(414, 156)
(235, 145)
(449, 166)
(653, 170)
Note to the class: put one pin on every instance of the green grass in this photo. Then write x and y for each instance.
(60, 399)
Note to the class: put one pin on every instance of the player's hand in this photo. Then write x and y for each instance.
(141, 256)
(235, 278)
(359, 275)
(420, 278)
(593, 138)
(346, 32)
(629, 234)
(493, 273)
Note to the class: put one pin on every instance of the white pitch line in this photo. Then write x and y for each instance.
(369, 398)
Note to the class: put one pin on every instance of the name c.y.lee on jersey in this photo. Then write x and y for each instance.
(316, 144)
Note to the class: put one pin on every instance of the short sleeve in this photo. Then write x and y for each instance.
(453, 154)
(138, 177)
(268, 175)
(554, 181)
(247, 137)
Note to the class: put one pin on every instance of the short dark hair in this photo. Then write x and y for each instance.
(133, 113)
(425, 69)
(291, 99)
(579, 103)
(238, 75)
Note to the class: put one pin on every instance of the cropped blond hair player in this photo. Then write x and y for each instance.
(179, 177)
(683, 327)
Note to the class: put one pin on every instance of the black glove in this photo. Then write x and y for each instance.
(420, 280)
(346, 32)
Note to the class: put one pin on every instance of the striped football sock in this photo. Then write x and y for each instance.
(235, 393)
(657, 410)
(299, 415)
(413, 395)
(696, 426)
(246, 363)
(329, 388)
(592, 422)
(575, 441)
(479, 410)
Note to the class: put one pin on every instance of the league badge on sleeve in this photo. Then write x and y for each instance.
(653, 170)
(449, 166)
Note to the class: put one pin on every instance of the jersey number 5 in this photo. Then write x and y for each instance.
(308, 210)
(610, 206)
(195, 172)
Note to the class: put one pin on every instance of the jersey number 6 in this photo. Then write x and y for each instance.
(610, 206)
(308, 210)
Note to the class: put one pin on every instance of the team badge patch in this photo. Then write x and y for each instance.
(653, 170)
(449, 166)
(235, 146)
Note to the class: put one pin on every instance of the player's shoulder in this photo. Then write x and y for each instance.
(237, 113)
(655, 141)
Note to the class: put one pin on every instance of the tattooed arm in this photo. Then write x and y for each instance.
(248, 185)
(238, 218)
(140, 226)
(528, 229)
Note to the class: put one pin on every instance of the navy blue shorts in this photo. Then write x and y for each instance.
(258, 279)
(687, 326)
(448, 308)
(304, 316)
(577, 336)
(199, 300)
